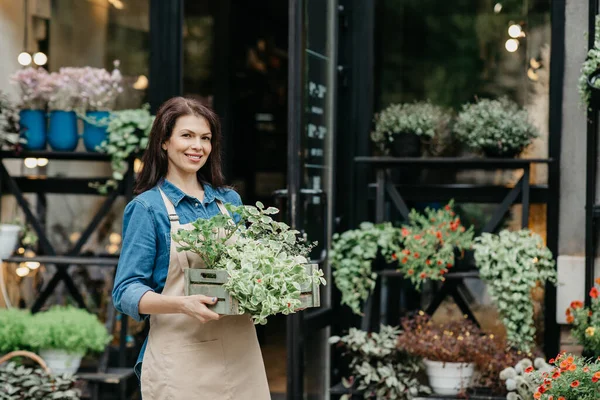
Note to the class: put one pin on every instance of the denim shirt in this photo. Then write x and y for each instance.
(144, 260)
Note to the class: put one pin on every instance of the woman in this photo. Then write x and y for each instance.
(191, 352)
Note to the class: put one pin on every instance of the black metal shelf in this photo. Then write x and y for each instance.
(56, 155)
(339, 390)
(68, 260)
(56, 185)
(455, 163)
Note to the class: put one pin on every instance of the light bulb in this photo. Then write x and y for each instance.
(24, 59)
(515, 30)
(137, 165)
(32, 264)
(497, 8)
(512, 45)
(42, 162)
(30, 162)
(141, 83)
(40, 58)
(22, 271)
(114, 238)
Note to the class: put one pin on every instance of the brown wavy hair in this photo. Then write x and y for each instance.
(155, 160)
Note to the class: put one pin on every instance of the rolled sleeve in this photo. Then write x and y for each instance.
(138, 257)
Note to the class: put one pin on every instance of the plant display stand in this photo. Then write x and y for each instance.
(209, 282)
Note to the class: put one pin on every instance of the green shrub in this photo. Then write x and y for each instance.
(12, 329)
(66, 328)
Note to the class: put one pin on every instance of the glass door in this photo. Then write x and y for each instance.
(311, 116)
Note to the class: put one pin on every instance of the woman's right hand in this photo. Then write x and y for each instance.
(195, 306)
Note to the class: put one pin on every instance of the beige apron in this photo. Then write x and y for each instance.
(189, 360)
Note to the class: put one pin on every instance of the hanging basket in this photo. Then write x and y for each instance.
(594, 91)
(28, 354)
(209, 282)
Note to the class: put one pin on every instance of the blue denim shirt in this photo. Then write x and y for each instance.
(144, 260)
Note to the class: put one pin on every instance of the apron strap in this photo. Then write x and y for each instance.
(175, 226)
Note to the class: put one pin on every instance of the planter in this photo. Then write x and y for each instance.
(406, 145)
(494, 152)
(209, 282)
(61, 361)
(33, 124)
(62, 134)
(448, 378)
(9, 236)
(594, 91)
(94, 134)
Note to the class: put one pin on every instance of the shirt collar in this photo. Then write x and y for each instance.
(175, 194)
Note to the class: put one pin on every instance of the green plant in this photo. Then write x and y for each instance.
(18, 382)
(498, 127)
(128, 132)
(378, 368)
(586, 322)
(421, 118)
(9, 123)
(12, 330)
(520, 382)
(66, 328)
(352, 254)
(264, 262)
(512, 264)
(428, 244)
(589, 66)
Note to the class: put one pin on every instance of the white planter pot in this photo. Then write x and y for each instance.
(9, 235)
(448, 378)
(60, 361)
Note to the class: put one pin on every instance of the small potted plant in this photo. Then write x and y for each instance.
(99, 92)
(63, 335)
(513, 264)
(9, 125)
(32, 82)
(9, 236)
(267, 260)
(585, 323)
(498, 128)
(523, 380)
(378, 368)
(589, 82)
(63, 99)
(402, 129)
(449, 350)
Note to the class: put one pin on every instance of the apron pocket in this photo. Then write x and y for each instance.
(196, 370)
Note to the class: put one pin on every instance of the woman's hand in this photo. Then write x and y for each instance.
(195, 306)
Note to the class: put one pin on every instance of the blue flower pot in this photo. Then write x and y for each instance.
(33, 124)
(94, 134)
(62, 135)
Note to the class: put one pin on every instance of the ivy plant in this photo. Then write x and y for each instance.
(264, 258)
(589, 66)
(19, 382)
(128, 132)
(512, 264)
(378, 368)
(66, 328)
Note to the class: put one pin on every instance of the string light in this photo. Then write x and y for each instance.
(22, 271)
(497, 8)
(30, 162)
(512, 45)
(40, 58)
(24, 58)
(515, 30)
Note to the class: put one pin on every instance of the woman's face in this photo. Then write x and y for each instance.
(189, 146)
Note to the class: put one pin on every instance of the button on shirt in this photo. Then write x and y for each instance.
(144, 260)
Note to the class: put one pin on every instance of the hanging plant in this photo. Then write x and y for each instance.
(588, 81)
(512, 264)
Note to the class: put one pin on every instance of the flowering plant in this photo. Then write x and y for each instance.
(9, 123)
(31, 81)
(455, 341)
(378, 367)
(520, 382)
(99, 88)
(63, 90)
(586, 322)
(572, 377)
(512, 264)
(497, 127)
(128, 132)
(265, 263)
(428, 243)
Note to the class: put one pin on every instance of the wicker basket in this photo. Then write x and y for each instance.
(209, 282)
(28, 354)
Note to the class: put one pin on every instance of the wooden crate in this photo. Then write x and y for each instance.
(209, 282)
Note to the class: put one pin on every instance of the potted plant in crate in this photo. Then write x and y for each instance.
(378, 368)
(585, 323)
(9, 124)
(20, 382)
(99, 92)
(513, 264)
(402, 129)
(260, 269)
(63, 335)
(449, 350)
(128, 132)
(63, 99)
(498, 128)
(32, 82)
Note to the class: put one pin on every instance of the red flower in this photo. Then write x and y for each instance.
(570, 319)
(417, 237)
(410, 271)
(423, 275)
(427, 262)
(447, 208)
(594, 293)
(576, 304)
(289, 305)
(439, 262)
(416, 255)
(449, 265)
(528, 370)
(405, 232)
(404, 260)
(597, 281)
(394, 256)
(574, 384)
(556, 375)
(258, 280)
